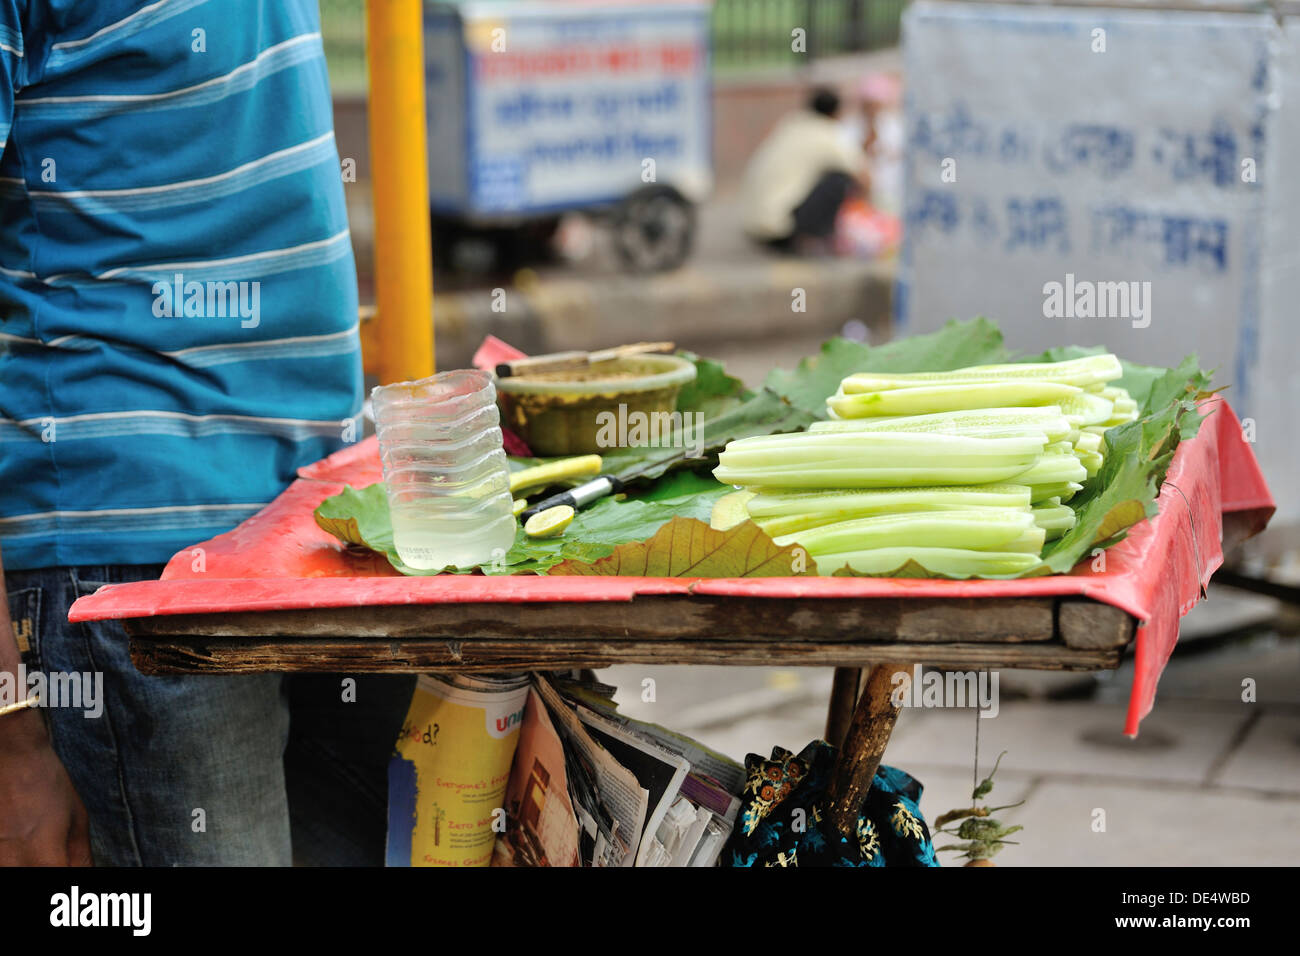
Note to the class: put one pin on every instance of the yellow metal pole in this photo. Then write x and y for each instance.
(400, 185)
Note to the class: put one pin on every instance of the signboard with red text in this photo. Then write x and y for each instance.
(536, 107)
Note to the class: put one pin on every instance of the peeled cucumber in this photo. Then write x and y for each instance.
(953, 562)
(984, 530)
(945, 398)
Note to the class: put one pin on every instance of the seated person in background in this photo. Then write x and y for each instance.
(799, 177)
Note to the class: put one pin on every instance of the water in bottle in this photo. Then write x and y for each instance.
(446, 473)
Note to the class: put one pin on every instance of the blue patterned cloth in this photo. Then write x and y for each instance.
(782, 821)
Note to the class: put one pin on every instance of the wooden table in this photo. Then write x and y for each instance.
(865, 640)
(311, 606)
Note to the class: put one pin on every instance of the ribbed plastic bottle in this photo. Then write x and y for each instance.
(447, 476)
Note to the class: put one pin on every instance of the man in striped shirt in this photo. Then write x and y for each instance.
(178, 334)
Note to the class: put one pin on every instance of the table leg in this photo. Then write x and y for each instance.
(863, 746)
(844, 697)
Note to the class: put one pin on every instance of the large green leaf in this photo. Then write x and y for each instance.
(763, 414)
(713, 391)
(680, 484)
(360, 516)
(1185, 384)
(689, 548)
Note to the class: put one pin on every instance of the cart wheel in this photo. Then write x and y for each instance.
(654, 228)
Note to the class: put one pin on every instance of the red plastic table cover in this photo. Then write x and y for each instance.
(279, 559)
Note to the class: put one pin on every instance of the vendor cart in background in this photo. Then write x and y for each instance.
(539, 109)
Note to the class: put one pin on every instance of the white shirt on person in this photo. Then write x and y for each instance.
(802, 148)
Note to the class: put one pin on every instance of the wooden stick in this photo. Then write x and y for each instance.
(569, 361)
(864, 746)
(844, 697)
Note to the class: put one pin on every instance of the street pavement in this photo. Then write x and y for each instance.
(729, 293)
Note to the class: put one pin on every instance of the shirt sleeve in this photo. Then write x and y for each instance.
(11, 60)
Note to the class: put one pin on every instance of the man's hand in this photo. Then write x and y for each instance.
(42, 820)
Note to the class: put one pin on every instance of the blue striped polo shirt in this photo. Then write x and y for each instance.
(178, 305)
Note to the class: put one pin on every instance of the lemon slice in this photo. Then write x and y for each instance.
(549, 523)
(520, 504)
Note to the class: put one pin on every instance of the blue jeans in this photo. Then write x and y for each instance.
(262, 769)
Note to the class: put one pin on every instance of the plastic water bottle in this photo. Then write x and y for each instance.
(447, 476)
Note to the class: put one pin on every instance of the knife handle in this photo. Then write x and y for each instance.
(576, 498)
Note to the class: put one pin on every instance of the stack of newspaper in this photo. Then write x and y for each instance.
(591, 787)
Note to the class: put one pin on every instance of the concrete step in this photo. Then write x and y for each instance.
(696, 306)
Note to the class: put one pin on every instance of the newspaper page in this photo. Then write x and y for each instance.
(601, 787)
(702, 759)
(541, 825)
(659, 771)
(682, 830)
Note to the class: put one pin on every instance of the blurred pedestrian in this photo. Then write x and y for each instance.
(800, 176)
